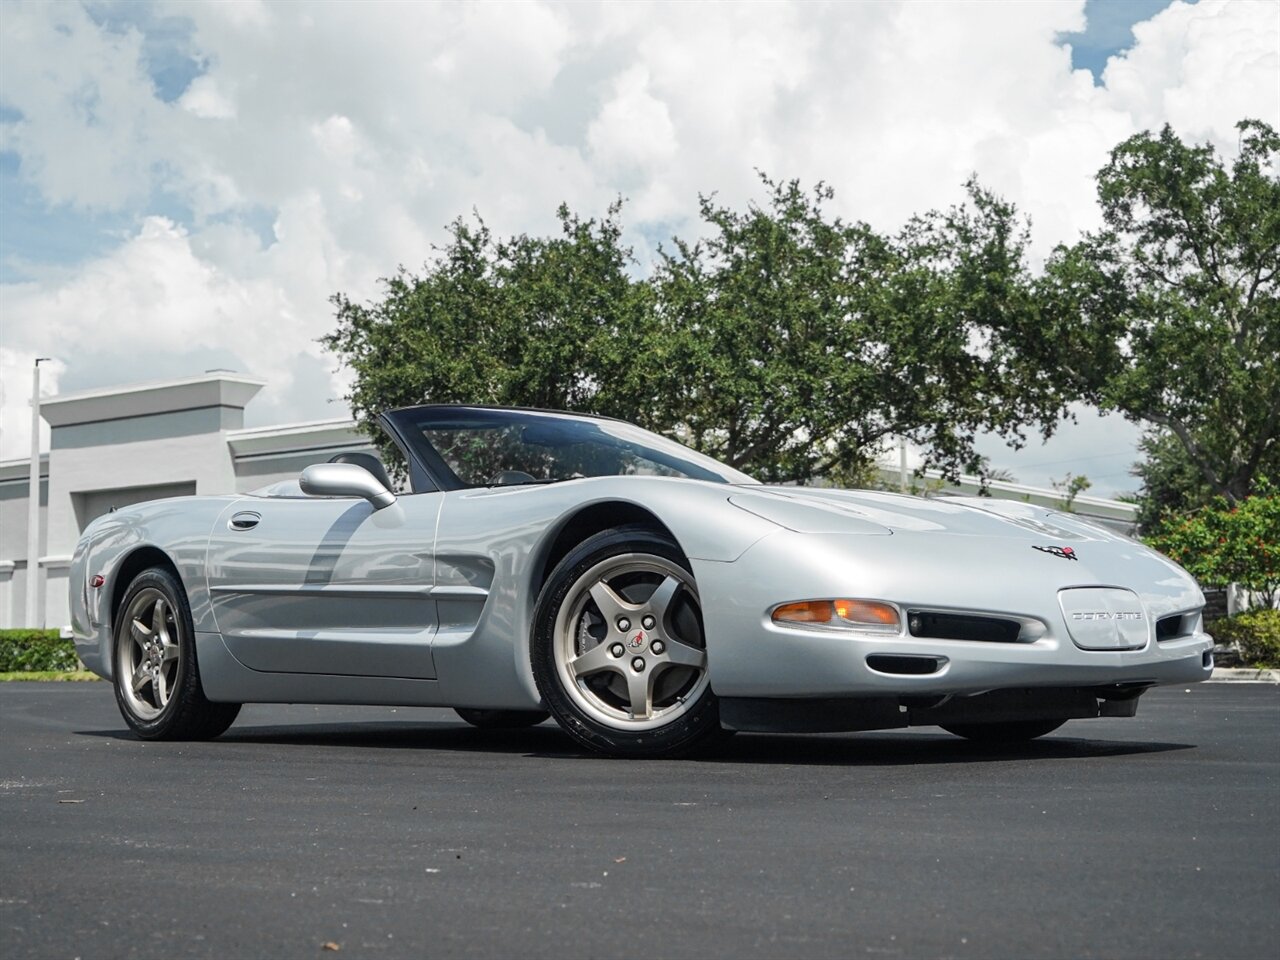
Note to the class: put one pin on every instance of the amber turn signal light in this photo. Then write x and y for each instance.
(839, 613)
(867, 611)
(806, 611)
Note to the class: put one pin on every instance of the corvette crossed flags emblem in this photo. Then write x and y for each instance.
(1066, 553)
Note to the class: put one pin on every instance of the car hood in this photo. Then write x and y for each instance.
(823, 510)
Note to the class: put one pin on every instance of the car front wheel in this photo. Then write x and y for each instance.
(618, 649)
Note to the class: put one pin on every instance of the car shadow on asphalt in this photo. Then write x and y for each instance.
(880, 748)
(899, 749)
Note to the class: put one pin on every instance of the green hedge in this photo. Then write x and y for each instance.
(36, 650)
(1256, 633)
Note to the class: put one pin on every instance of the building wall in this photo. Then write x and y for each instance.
(270, 455)
(55, 600)
(13, 595)
(13, 517)
(258, 472)
(80, 472)
(14, 487)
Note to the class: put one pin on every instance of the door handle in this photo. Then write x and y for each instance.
(245, 520)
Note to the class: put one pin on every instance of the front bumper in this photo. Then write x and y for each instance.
(807, 664)
(750, 656)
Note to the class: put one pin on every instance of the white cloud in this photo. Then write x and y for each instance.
(204, 99)
(15, 400)
(362, 129)
(89, 115)
(154, 302)
(633, 129)
(1223, 57)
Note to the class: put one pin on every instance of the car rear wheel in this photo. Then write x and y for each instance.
(501, 719)
(618, 648)
(1012, 731)
(156, 677)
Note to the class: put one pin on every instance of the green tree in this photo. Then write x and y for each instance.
(1170, 314)
(557, 322)
(788, 343)
(764, 309)
(806, 341)
(1225, 542)
(1171, 483)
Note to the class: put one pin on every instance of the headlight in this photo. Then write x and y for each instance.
(866, 615)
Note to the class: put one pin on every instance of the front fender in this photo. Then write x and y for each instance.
(177, 530)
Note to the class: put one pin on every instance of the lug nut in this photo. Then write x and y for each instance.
(657, 646)
(616, 650)
(624, 624)
(637, 664)
(648, 622)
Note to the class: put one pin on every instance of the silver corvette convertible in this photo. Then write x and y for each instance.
(649, 598)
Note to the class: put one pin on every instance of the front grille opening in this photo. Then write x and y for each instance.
(1169, 627)
(959, 626)
(903, 664)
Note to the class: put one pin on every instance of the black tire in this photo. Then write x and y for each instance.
(1010, 731)
(183, 713)
(501, 719)
(695, 721)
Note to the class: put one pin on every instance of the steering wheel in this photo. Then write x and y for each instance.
(510, 477)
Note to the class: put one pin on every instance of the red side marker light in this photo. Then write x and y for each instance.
(97, 580)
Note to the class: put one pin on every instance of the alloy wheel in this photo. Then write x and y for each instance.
(149, 657)
(628, 645)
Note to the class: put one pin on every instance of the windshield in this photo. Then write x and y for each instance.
(479, 447)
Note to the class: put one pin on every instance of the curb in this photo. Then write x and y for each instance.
(1244, 674)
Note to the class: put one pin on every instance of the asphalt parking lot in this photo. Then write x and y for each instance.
(403, 832)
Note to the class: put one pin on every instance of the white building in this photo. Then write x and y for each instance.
(110, 448)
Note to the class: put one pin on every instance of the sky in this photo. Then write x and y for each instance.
(184, 185)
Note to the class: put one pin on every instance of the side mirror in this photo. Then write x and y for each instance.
(345, 480)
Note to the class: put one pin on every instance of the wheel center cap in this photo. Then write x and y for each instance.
(638, 641)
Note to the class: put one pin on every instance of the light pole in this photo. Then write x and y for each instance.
(35, 617)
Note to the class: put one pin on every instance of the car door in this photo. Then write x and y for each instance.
(327, 585)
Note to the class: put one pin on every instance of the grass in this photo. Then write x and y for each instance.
(74, 676)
